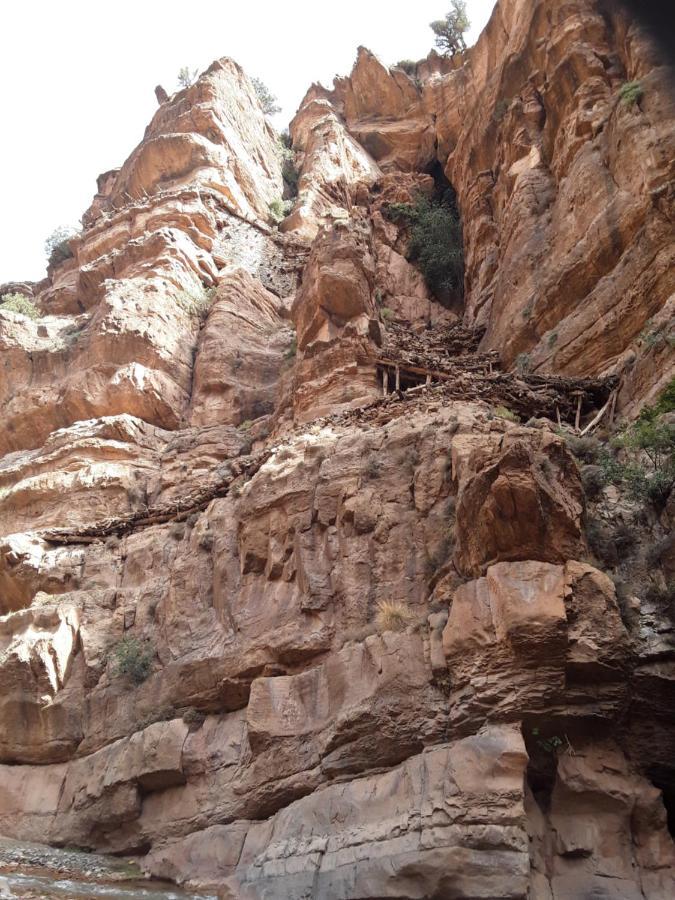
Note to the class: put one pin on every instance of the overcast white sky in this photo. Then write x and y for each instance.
(77, 83)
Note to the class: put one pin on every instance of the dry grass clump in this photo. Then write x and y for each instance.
(393, 615)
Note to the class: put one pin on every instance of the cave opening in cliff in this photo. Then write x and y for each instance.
(664, 779)
(436, 244)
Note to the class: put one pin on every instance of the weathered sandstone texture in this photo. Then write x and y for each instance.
(198, 466)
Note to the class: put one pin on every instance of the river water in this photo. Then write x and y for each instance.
(37, 872)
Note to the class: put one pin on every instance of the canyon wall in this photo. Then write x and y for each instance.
(289, 606)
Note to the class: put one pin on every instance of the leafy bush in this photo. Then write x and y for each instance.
(289, 173)
(187, 77)
(132, 659)
(393, 615)
(450, 31)
(500, 110)
(593, 479)
(386, 313)
(435, 241)
(665, 404)
(631, 92)
(523, 363)
(409, 66)
(265, 97)
(504, 413)
(19, 304)
(279, 209)
(548, 744)
(647, 468)
(586, 448)
(57, 245)
(292, 350)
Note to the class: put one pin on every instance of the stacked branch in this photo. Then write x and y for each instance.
(218, 485)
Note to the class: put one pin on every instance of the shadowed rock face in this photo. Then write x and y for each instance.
(282, 636)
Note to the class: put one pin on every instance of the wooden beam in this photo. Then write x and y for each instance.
(595, 420)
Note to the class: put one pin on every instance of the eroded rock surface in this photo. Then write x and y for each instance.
(290, 604)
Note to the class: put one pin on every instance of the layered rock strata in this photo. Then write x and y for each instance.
(371, 655)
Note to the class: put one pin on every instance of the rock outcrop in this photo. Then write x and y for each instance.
(301, 591)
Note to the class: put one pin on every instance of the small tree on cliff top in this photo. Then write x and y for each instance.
(267, 99)
(450, 31)
(187, 77)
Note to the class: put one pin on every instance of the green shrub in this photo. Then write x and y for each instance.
(631, 92)
(548, 744)
(586, 448)
(187, 77)
(292, 350)
(647, 469)
(265, 97)
(57, 246)
(133, 659)
(552, 338)
(435, 241)
(450, 31)
(279, 209)
(19, 304)
(654, 336)
(504, 413)
(500, 110)
(664, 404)
(593, 480)
(386, 313)
(289, 173)
(523, 363)
(409, 66)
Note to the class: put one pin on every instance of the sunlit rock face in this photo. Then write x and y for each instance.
(290, 604)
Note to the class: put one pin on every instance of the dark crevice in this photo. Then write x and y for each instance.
(664, 779)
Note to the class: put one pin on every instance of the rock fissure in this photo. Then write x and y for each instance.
(392, 623)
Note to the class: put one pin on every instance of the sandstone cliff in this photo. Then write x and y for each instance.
(300, 587)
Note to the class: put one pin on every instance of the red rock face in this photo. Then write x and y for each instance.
(290, 604)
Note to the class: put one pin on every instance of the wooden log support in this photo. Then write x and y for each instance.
(595, 421)
(577, 418)
(385, 381)
(612, 408)
(428, 381)
(398, 378)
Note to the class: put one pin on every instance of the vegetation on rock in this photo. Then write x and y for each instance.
(435, 241)
(279, 209)
(392, 615)
(133, 659)
(265, 97)
(450, 31)
(409, 66)
(57, 246)
(18, 303)
(187, 77)
(631, 92)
